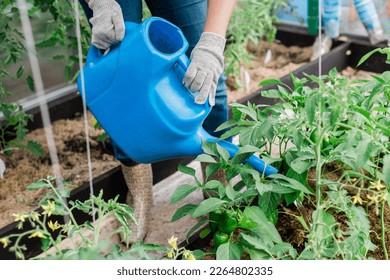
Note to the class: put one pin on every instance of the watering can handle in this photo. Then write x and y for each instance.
(95, 54)
(183, 62)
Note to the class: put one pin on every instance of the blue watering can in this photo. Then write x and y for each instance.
(136, 94)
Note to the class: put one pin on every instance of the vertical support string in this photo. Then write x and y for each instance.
(320, 39)
(39, 90)
(82, 82)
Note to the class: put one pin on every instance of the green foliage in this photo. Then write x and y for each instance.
(229, 210)
(45, 226)
(251, 21)
(385, 51)
(13, 130)
(339, 126)
(59, 32)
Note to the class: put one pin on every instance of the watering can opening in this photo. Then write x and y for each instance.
(165, 37)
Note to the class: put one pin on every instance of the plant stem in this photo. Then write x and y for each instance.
(383, 231)
(67, 210)
(318, 174)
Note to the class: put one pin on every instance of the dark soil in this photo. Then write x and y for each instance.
(24, 168)
(283, 61)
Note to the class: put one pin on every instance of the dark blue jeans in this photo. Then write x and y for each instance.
(190, 17)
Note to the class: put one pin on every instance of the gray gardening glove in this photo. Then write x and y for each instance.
(206, 67)
(108, 26)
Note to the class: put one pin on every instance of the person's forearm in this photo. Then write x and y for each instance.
(218, 16)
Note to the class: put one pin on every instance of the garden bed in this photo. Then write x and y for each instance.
(369, 196)
(336, 58)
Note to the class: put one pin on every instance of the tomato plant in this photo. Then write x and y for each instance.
(331, 145)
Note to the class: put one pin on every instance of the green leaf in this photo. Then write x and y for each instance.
(386, 169)
(258, 216)
(205, 158)
(45, 244)
(247, 149)
(20, 72)
(102, 137)
(204, 232)
(64, 193)
(366, 56)
(272, 187)
(198, 254)
(213, 184)
(41, 184)
(302, 178)
(184, 210)
(202, 221)
(379, 79)
(35, 148)
(229, 251)
(230, 133)
(270, 82)
(272, 93)
(67, 72)
(231, 193)
(311, 106)
(207, 206)
(324, 227)
(181, 192)
(257, 254)
(250, 135)
(211, 169)
(58, 57)
(47, 43)
(223, 152)
(360, 219)
(226, 125)
(269, 201)
(123, 221)
(282, 249)
(301, 166)
(257, 243)
(335, 114)
(187, 170)
(249, 111)
(291, 183)
(89, 225)
(30, 83)
(361, 111)
(210, 148)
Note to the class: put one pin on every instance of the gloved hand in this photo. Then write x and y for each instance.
(321, 49)
(207, 63)
(108, 26)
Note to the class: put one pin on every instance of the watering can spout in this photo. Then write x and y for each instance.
(257, 163)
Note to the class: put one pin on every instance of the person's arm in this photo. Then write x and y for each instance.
(218, 16)
(207, 60)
